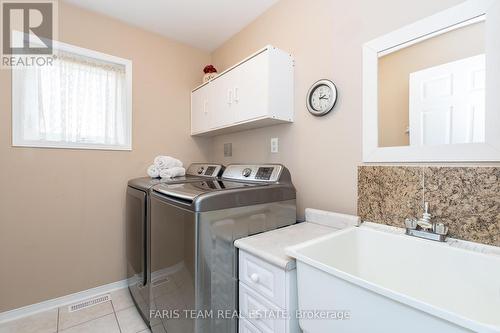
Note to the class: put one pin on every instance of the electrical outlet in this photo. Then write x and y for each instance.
(274, 145)
(228, 149)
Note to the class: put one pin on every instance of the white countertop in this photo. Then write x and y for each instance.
(270, 246)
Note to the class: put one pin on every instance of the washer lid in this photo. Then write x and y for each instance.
(189, 191)
(182, 179)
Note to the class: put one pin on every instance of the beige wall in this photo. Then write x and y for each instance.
(394, 72)
(325, 37)
(62, 211)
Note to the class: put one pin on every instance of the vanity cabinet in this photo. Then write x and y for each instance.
(256, 92)
(267, 296)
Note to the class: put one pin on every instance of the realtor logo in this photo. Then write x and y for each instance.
(28, 31)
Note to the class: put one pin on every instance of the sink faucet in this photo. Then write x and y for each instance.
(424, 228)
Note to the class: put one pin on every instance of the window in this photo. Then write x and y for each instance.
(82, 101)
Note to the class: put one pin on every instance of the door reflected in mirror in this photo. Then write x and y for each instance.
(432, 92)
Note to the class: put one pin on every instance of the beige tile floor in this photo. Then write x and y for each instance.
(116, 316)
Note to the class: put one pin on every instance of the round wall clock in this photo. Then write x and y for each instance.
(321, 97)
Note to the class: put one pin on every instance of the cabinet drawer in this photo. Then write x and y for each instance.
(264, 278)
(246, 327)
(264, 315)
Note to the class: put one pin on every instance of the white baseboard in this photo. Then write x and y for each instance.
(60, 301)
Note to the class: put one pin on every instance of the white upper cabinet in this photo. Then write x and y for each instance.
(199, 102)
(251, 88)
(256, 92)
(222, 98)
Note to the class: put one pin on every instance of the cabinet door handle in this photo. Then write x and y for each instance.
(254, 277)
(229, 96)
(236, 94)
(205, 102)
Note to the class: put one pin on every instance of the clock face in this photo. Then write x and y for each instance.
(322, 97)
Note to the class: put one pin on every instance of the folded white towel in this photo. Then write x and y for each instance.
(172, 172)
(166, 162)
(153, 171)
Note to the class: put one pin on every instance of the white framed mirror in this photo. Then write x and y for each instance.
(431, 90)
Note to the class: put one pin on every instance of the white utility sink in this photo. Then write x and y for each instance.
(395, 283)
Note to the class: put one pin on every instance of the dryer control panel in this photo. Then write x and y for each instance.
(205, 170)
(253, 172)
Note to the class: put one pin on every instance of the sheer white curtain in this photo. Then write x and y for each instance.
(78, 100)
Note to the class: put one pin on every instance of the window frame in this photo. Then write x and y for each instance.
(18, 141)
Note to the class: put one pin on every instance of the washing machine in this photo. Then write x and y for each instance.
(194, 263)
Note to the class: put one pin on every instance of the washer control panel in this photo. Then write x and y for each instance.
(246, 172)
(249, 172)
(205, 170)
(264, 173)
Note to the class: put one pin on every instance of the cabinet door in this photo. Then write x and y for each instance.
(246, 327)
(251, 88)
(200, 110)
(223, 106)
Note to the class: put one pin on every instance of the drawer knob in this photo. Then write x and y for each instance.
(254, 277)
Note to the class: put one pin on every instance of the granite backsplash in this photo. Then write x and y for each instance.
(467, 199)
